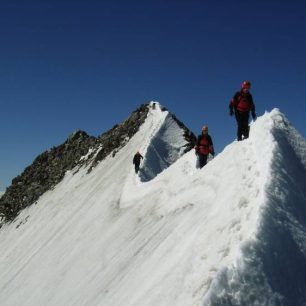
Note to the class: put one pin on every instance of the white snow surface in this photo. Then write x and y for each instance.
(232, 233)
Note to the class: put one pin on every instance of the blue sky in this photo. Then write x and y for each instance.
(68, 65)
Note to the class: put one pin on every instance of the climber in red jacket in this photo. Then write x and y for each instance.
(204, 146)
(241, 105)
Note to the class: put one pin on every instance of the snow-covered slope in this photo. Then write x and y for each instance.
(232, 233)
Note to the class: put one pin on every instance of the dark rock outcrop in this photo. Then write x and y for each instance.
(46, 171)
(49, 168)
(119, 135)
(188, 135)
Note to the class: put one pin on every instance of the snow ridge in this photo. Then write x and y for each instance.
(165, 147)
(272, 267)
(232, 233)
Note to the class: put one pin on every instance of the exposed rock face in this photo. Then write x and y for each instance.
(49, 168)
(119, 135)
(45, 172)
(188, 135)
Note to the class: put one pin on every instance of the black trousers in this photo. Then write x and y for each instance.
(243, 124)
(136, 167)
(202, 160)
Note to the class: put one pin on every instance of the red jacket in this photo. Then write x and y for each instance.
(242, 102)
(204, 145)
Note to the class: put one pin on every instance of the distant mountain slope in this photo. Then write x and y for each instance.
(232, 233)
(49, 168)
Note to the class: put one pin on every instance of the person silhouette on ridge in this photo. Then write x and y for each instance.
(241, 105)
(204, 146)
(136, 161)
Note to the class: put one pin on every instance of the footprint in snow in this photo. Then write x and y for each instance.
(243, 203)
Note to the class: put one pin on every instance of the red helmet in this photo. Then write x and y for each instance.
(246, 84)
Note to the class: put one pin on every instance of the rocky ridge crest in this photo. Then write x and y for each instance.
(49, 168)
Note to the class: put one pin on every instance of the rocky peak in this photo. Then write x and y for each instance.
(49, 168)
(78, 135)
(119, 135)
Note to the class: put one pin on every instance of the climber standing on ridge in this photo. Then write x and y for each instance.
(241, 105)
(136, 161)
(204, 146)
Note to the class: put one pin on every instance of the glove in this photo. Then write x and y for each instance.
(231, 112)
(254, 116)
(213, 154)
